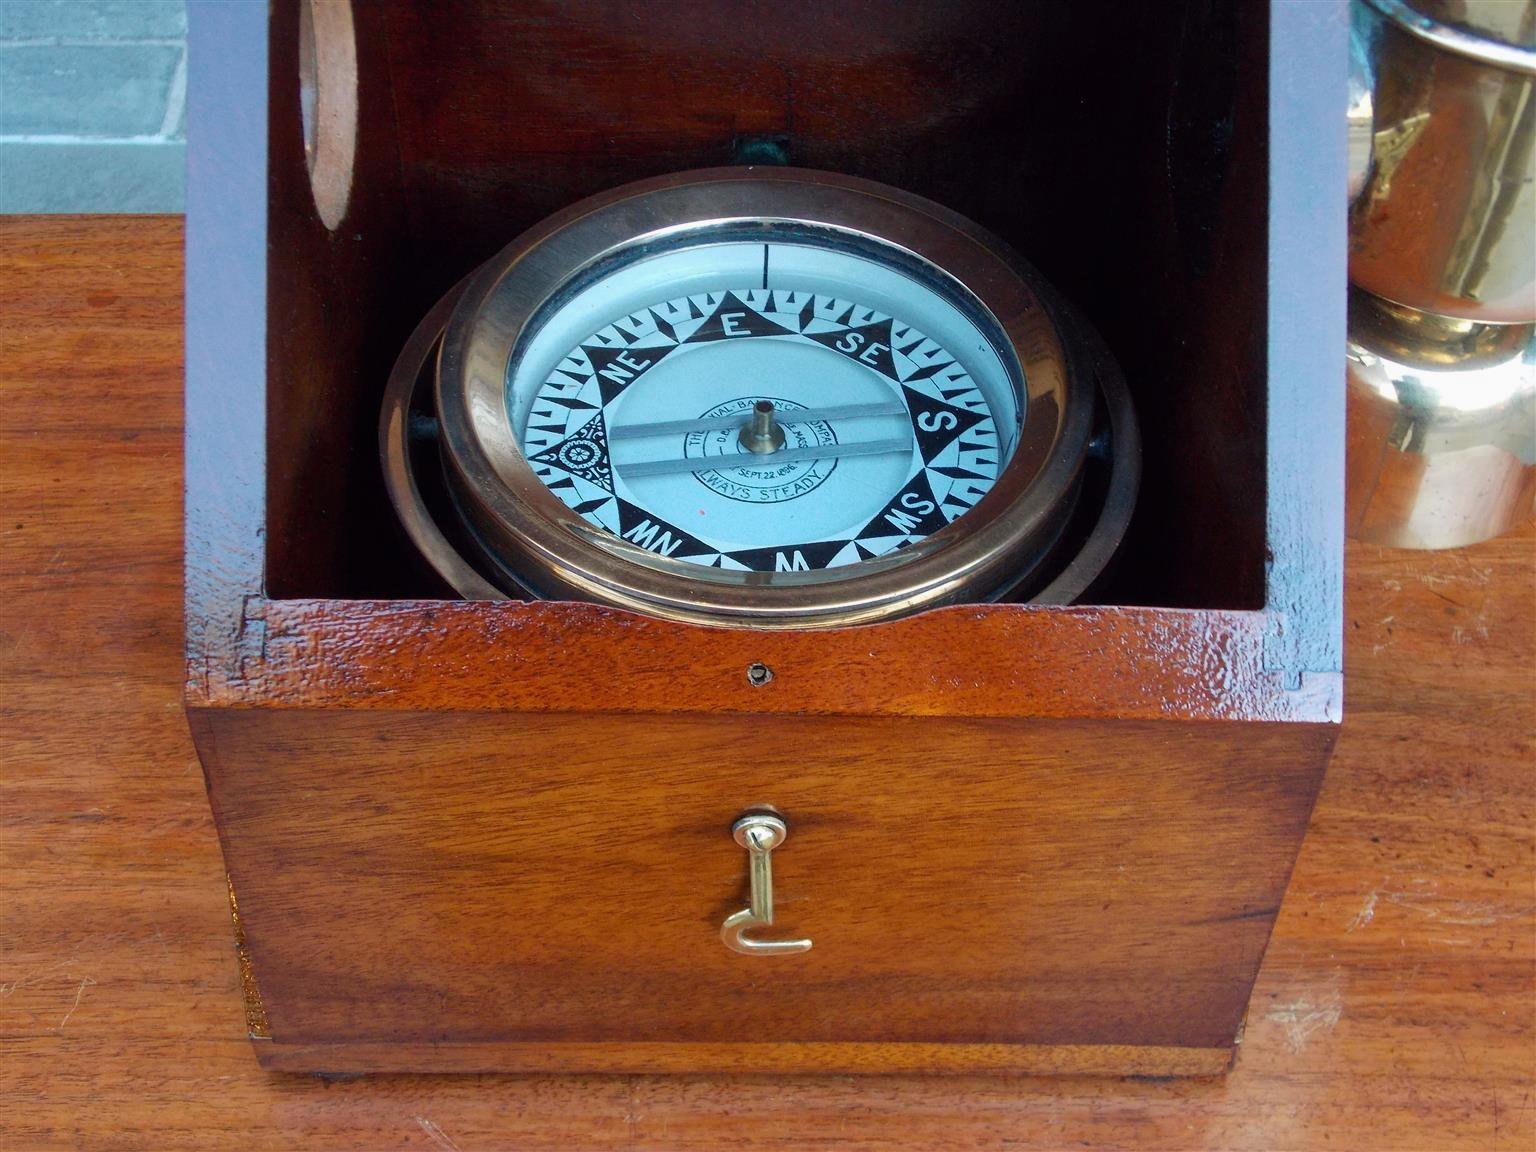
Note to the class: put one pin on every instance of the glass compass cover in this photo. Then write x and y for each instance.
(771, 405)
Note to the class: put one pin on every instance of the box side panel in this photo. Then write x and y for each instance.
(1184, 296)
(226, 285)
(342, 293)
(1309, 66)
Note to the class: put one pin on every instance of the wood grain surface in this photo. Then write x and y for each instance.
(460, 879)
(979, 660)
(1396, 1008)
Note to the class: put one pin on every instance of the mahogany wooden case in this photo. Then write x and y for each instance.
(469, 835)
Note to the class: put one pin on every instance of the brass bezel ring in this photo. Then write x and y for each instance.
(536, 540)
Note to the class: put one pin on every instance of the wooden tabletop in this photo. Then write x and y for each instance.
(1396, 1008)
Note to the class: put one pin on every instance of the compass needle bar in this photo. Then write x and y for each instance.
(730, 460)
(784, 416)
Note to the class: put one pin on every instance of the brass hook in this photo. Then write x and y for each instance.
(759, 834)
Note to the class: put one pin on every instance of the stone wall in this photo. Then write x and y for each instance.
(92, 105)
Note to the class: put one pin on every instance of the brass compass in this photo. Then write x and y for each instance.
(761, 397)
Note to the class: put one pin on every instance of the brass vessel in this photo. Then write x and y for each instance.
(1441, 362)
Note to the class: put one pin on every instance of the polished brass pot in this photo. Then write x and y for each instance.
(1441, 361)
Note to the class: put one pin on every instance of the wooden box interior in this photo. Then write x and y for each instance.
(1121, 150)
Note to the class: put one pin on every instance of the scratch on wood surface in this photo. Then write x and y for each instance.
(1366, 914)
(1459, 912)
(631, 1117)
(85, 982)
(1522, 1112)
(1432, 581)
(1301, 1019)
(1459, 634)
(42, 974)
(436, 1134)
(1472, 574)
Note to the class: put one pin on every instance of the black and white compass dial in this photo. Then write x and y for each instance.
(882, 412)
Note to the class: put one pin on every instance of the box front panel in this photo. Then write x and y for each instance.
(405, 877)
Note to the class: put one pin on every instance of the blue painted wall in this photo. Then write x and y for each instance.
(92, 105)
